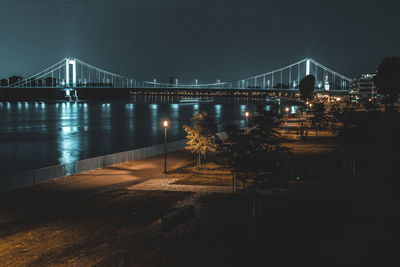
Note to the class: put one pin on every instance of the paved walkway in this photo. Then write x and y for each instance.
(143, 174)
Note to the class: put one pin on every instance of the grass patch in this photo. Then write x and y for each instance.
(213, 174)
(311, 158)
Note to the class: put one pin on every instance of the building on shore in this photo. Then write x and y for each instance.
(363, 85)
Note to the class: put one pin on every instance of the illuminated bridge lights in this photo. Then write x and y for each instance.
(74, 73)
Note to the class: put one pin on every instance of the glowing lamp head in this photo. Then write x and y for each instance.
(287, 109)
(165, 124)
(247, 114)
(310, 105)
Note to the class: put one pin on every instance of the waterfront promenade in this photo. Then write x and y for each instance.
(39, 222)
(72, 190)
(132, 214)
(145, 174)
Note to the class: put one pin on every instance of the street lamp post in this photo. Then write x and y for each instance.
(165, 124)
(287, 117)
(247, 115)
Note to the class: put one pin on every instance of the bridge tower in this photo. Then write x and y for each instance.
(69, 62)
(70, 90)
(308, 66)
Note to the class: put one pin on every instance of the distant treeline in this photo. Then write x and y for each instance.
(286, 86)
(278, 86)
(11, 80)
(46, 82)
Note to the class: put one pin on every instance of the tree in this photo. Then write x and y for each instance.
(201, 137)
(31, 82)
(335, 115)
(281, 85)
(14, 79)
(371, 107)
(306, 87)
(50, 81)
(320, 120)
(256, 158)
(372, 138)
(387, 80)
(4, 82)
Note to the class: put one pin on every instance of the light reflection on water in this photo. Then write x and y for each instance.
(154, 118)
(130, 109)
(35, 135)
(68, 138)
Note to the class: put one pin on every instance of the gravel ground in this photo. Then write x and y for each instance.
(167, 184)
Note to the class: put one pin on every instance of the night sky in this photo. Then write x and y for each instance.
(207, 39)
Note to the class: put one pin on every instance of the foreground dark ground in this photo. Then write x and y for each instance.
(325, 219)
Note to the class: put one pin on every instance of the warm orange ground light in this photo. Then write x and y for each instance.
(86, 235)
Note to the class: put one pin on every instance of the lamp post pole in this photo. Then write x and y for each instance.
(246, 115)
(165, 150)
(165, 125)
(287, 117)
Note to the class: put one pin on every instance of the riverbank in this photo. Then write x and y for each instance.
(38, 135)
(124, 216)
(72, 190)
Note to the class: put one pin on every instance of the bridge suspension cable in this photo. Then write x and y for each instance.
(83, 74)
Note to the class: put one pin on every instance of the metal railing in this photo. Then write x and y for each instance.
(19, 180)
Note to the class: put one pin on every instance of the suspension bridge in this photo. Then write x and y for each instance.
(72, 74)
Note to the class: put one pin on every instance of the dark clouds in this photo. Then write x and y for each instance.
(196, 39)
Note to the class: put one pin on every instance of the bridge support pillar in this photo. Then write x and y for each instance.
(71, 94)
(69, 62)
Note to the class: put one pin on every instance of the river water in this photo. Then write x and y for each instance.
(38, 134)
